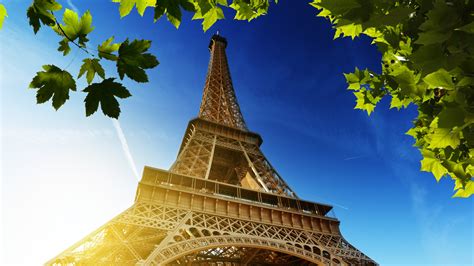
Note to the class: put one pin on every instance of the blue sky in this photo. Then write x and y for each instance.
(64, 175)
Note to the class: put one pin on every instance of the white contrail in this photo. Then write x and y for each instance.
(340, 206)
(125, 148)
(72, 6)
(354, 157)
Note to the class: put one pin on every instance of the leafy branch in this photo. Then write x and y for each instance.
(55, 83)
(427, 60)
(209, 11)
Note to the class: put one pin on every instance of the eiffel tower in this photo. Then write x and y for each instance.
(220, 203)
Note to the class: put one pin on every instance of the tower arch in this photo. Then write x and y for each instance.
(180, 249)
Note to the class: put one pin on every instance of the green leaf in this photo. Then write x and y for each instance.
(126, 6)
(339, 7)
(132, 60)
(432, 37)
(106, 49)
(451, 117)
(55, 83)
(172, 9)
(105, 93)
(92, 66)
(75, 28)
(441, 17)
(429, 58)
(159, 11)
(470, 170)
(244, 11)
(248, 10)
(188, 5)
(357, 79)
(392, 17)
(40, 11)
(350, 30)
(444, 137)
(465, 192)
(366, 101)
(173, 13)
(439, 79)
(469, 28)
(64, 46)
(406, 80)
(143, 4)
(202, 7)
(397, 103)
(211, 17)
(3, 14)
(466, 81)
(432, 164)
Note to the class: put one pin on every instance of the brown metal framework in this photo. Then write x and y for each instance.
(219, 103)
(221, 202)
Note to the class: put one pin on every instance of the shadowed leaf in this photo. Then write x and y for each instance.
(105, 93)
(133, 60)
(53, 83)
(40, 12)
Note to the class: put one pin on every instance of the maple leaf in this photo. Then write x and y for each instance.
(440, 79)
(465, 192)
(444, 137)
(126, 6)
(105, 93)
(92, 66)
(53, 83)
(432, 164)
(106, 49)
(74, 27)
(132, 60)
(40, 11)
(209, 15)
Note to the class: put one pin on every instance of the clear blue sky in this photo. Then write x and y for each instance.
(64, 175)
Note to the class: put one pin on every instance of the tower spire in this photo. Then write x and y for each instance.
(219, 103)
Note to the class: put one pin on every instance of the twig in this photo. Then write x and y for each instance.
(71, 40)
(82, 47)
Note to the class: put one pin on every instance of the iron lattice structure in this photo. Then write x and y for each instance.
(221, 202)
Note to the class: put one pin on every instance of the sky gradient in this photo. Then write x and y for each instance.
(63, 175)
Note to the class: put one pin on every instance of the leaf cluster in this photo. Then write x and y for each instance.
(131, 59)
(209, 11)
(427, 60)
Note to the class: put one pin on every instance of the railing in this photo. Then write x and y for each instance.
(161, 177)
